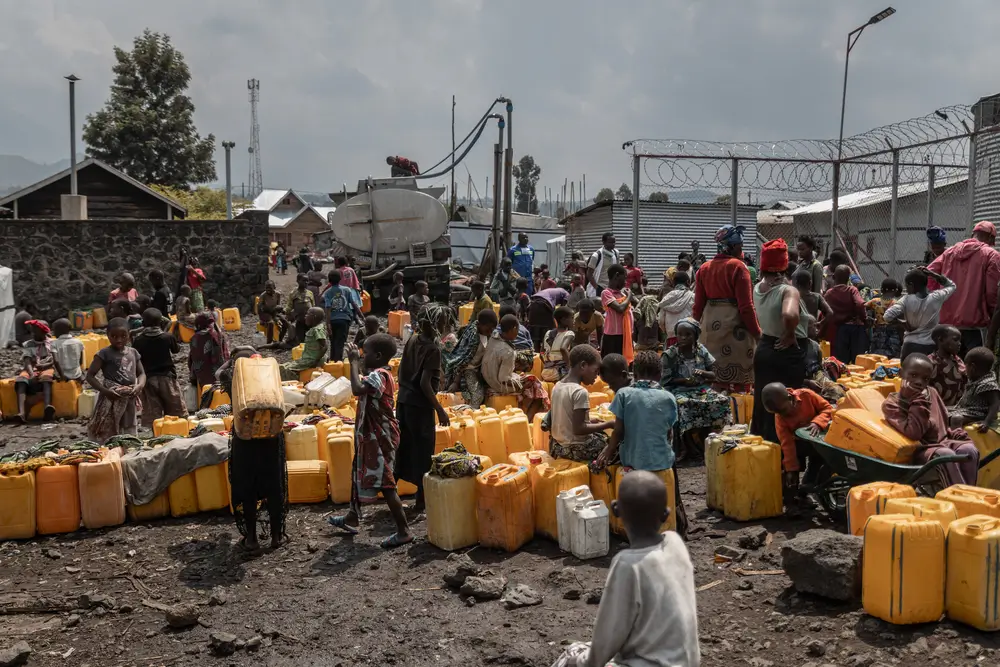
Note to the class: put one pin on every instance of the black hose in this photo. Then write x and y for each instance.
(458, 161)
(478, 123)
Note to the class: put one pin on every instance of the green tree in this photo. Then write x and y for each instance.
(624, 192)
(659, 196)
(146, 128)
(202, 203)
(723, 200)
(526, 175)
(604, 194)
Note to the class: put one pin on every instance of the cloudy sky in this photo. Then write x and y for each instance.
(345, 83)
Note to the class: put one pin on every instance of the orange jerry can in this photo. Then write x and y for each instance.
(505, 509)
(366, 302)
(57, 499)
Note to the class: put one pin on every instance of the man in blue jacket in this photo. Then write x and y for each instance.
(522, 256)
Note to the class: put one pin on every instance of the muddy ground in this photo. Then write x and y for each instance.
(324, 599)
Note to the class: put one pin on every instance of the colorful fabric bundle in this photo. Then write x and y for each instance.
(454, 462)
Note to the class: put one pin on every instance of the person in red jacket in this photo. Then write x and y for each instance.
(974, 266)
(402, 166)
(723, 304)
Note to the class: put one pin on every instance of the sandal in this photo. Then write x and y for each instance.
(340, 523)
(50, 412)
(247, 550)
(395, 540)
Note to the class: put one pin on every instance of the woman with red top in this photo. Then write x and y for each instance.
(348, 278)
(723, 303)
(195, 279)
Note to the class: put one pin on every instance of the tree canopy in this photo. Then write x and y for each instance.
(146, 128)
(624, 192)
(604, 194)
(202, 203)
(659, 196)
(526, 175)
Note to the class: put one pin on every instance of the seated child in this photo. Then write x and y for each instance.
(39, 372)
(122, 380)
(886, 338)
(213, 307)
(125, 290)
(817, 377)
(481, 300)
(523, 341)
(68, 351)
(648, 614)
(183, 307)
(269, 311)
(588, 324)
(315, 345)
(614, 371)
(445, 318)
(573, 436)
(207, 351)
(948, 377)
(162, 394)
(371, 327)
(647, 324)
(981, 398)
(503, 288)
(397, 297)
(918, 412)
(676, 305)
(417, 301)
(500, 374)
(462, 365)
(919, 310)
(557, 345)
(794, 409)
(576, 291)
(22, 332)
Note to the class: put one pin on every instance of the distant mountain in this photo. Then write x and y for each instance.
(17, 172)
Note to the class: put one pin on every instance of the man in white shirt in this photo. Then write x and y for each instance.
(599, 263)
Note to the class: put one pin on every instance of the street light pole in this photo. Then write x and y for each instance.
(852, 39)
(228, 146)
(72, 78)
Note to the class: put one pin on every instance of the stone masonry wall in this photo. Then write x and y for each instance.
(62, 265)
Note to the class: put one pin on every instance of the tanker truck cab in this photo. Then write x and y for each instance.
(391, 225)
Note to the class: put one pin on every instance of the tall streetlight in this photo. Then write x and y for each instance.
(72, 78)
(229, 145)
(852, 39)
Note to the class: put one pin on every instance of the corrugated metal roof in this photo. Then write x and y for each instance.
(280, 219)
(324, 211)
(869, 197)
(268, 199)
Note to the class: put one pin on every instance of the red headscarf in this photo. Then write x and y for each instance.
(39, 324)
(774, 256)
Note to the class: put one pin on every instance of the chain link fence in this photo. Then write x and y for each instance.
(876, 200)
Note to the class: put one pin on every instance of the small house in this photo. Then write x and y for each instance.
(291, 219)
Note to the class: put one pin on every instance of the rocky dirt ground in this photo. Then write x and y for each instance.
(324, 599)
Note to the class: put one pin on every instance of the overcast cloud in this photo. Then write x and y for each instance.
(345, 83)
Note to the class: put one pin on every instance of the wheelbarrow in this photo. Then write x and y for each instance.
(840, 470)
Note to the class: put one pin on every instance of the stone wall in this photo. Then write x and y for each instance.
(68, 264)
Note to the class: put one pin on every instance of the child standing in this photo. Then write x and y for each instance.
(481, 300)
(948, 377)
(417, 300)
(676, 305)
(348, 278)
(618, 320)
(557, 346)
(376, 439)
(343, 306)
(68, 351)
(588, 324)
(633, 274)
(314, 346)
(794, 409)
(846, 328)
(269, 312)
(647, 336)
(397, 296)
(981, 400)
(815, 304)
(163, 298)
(182, 307)
(122, 380)
(207, 351)
(648, 613)
(573, 436)
(546, 280)
(522, 300)
(371, 327)
(886, 339)
(125, 290)
(162, 394)
(918, 412)
(195, 279)
(919, 310)
(576, 291)
(40, 369)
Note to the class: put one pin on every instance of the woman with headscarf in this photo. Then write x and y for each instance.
(208, 350)
(937, 241)
(723, 304)
(783, 320)
(688, 371)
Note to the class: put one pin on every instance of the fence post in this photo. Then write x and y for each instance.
(834, 209)
(971, 182)
(931, 173)
(894, 211)
(734, 180)
(636, 161)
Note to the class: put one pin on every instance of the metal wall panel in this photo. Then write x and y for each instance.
(986, 196)
(584, 233)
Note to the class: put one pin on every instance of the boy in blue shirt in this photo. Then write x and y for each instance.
(343, 306)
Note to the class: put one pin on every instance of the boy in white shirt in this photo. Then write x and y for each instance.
(68, 351)
(647, 616)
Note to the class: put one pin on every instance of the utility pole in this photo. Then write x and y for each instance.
(228, 146)
(454, 195)
(72, 78)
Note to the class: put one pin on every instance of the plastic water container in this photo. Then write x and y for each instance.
(315, 386)
(516, 433)
(306, 376)
(212, 487)
(301, 444)
(550, 480)
(183, 496)
(57, 499)
(323, 432)
(448, 399)
(64, 398)
(865, 398)
(394, 367)
(397, 319)
(178, 426)
(17, 506)
(925, 508)
(213, 424)
(464, 314)
(307, 481)
(157, 508)
(85, 403)
(590, 533)
(82, 319)
(366, 302)
(668, 479)
(466, 431)
(869, 500)
(442, 439)
(903, 569)
(868, 434)
(598, 398)
(602, 486)
(340, 464)
(566, 501)
(490, 437)
(750, 477)
(102, 492)
(971, 500)
(539, 438)
(972, 591)
(525, 459)
(293, 394)
(338, 393)
(190, 393)
(742, 408)
(231, 319)
(297, 351)
(338, 369)
(986, 443)
(407, 332)
(499, 403)
(184, 332)
(452, 519)
(713, 490)
(505, 511)
(219, 397)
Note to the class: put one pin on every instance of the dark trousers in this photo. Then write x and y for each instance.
(612, 344)
(971, 338)
(911, 348)
(852, 340)
(339, 332)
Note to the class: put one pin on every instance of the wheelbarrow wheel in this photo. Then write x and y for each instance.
(831, 491)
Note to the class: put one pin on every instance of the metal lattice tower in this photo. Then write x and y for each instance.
(256, 176)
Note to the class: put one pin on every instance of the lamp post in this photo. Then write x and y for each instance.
(229, 145)
(852, 39)
(72, 78)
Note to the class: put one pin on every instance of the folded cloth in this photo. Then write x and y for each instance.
(147, 474)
